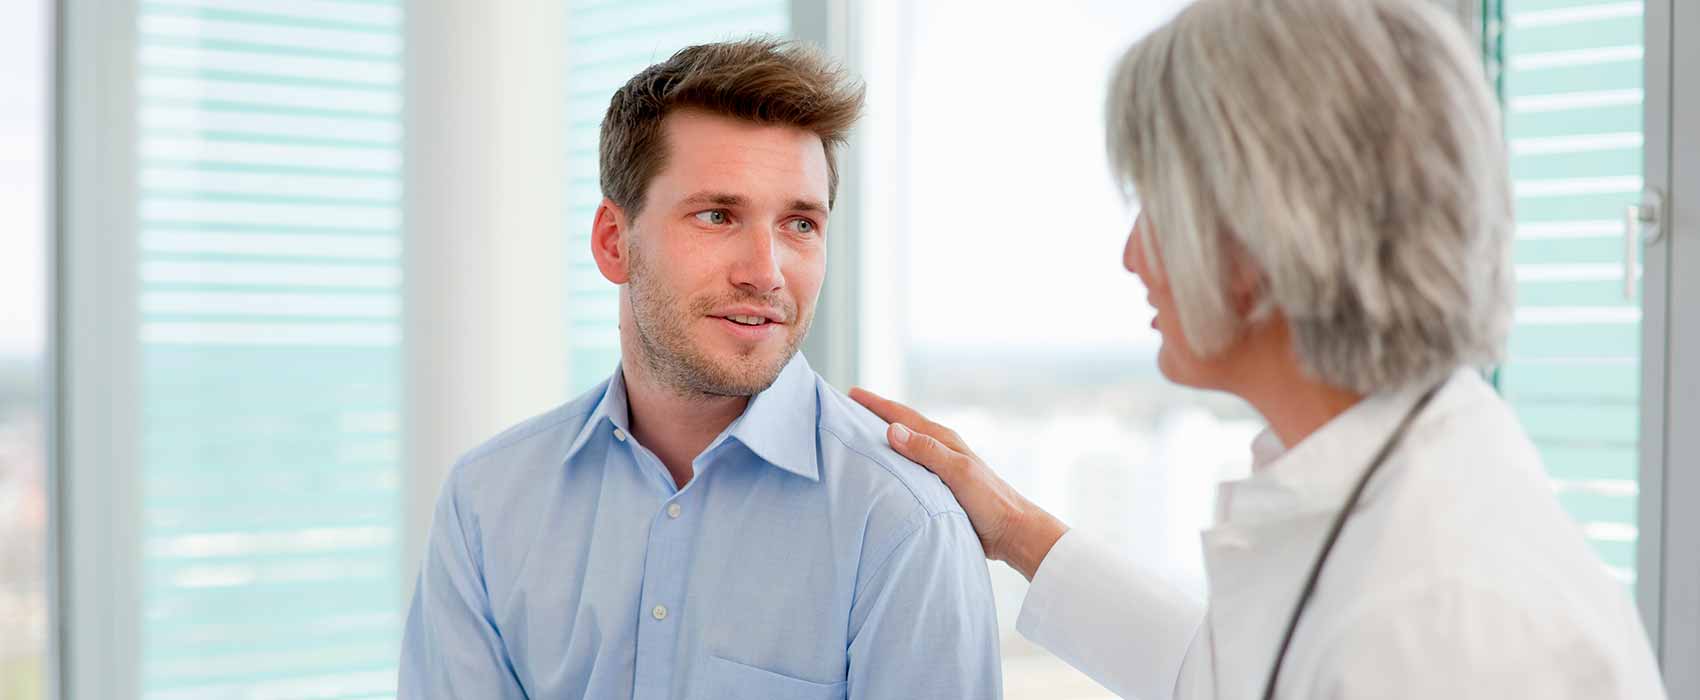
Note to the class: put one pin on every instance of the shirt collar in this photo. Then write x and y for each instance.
(779, 424)
(610, 408)
(1318, 473)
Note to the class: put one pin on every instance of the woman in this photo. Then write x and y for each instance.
(1325, 233)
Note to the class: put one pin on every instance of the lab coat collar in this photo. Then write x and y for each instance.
(1319, 473)
(1271, 524)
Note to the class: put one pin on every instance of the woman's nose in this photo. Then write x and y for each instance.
(1133, 254)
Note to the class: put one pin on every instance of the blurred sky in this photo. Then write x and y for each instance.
(23, 112)
(1017, 229)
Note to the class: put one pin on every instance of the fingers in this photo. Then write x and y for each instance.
(928, 452)
(888, 410)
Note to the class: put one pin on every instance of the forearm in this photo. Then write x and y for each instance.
(1122, 625)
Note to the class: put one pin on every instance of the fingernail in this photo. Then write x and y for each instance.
(900, 433)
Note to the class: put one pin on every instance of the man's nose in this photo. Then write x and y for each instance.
(757, 269)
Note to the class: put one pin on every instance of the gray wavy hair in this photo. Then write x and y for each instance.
(1349, 151)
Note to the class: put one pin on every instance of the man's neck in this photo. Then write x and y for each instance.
(675, 425)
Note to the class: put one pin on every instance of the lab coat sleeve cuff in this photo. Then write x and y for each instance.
(1126, 628)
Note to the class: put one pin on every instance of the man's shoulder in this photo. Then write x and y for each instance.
(898, 502)
(854, 452)
(539, 440)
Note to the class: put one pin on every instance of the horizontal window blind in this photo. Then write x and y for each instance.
(1572, 85)
(269, 157)
(608, 42)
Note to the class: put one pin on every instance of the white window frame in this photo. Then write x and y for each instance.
(96, 452)
(833, 346)
(485, 249)
(1670, 444)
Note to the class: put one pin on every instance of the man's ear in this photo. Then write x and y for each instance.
(609, 234)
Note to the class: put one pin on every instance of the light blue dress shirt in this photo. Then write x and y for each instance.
(805, 560)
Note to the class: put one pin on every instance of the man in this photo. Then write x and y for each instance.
(714, 521)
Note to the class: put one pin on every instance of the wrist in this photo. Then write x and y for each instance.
(1031, 540)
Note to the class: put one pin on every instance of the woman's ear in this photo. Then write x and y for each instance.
(609, 236)
(1247, 288)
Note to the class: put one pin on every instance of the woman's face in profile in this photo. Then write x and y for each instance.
(1175, 358)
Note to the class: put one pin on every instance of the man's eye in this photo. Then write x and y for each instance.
(712, 217)
(803, 226)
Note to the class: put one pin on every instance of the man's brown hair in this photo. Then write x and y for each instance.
(762, 80)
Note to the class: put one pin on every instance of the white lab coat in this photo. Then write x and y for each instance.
(1459, 577)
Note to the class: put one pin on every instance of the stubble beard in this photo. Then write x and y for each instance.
(662, 323)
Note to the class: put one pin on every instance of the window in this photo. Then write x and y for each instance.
(24, 550)
(257, 399)
(269, 222)
(990, 208)
(608, 42)
(1572, 89)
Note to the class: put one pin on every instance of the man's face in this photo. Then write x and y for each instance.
(726, 257)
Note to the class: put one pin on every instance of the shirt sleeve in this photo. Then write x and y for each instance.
(924, 624)
(451, 647)
(1461, 641)
(1127, 629)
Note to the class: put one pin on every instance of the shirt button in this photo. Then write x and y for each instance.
(659, 613)
(619, 435)
(673, 510)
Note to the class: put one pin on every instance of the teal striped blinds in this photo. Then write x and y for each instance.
(1572, 90)
(609, 41)
(269, 139)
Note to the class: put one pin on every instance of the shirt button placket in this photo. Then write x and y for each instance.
(663, 590)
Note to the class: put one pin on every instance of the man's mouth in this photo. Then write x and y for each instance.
(751, 327)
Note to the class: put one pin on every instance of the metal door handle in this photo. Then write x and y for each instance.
(1636, 217)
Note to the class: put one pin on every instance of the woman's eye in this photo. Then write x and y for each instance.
(712, 217)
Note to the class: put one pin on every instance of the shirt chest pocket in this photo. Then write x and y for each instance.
(729, 680)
